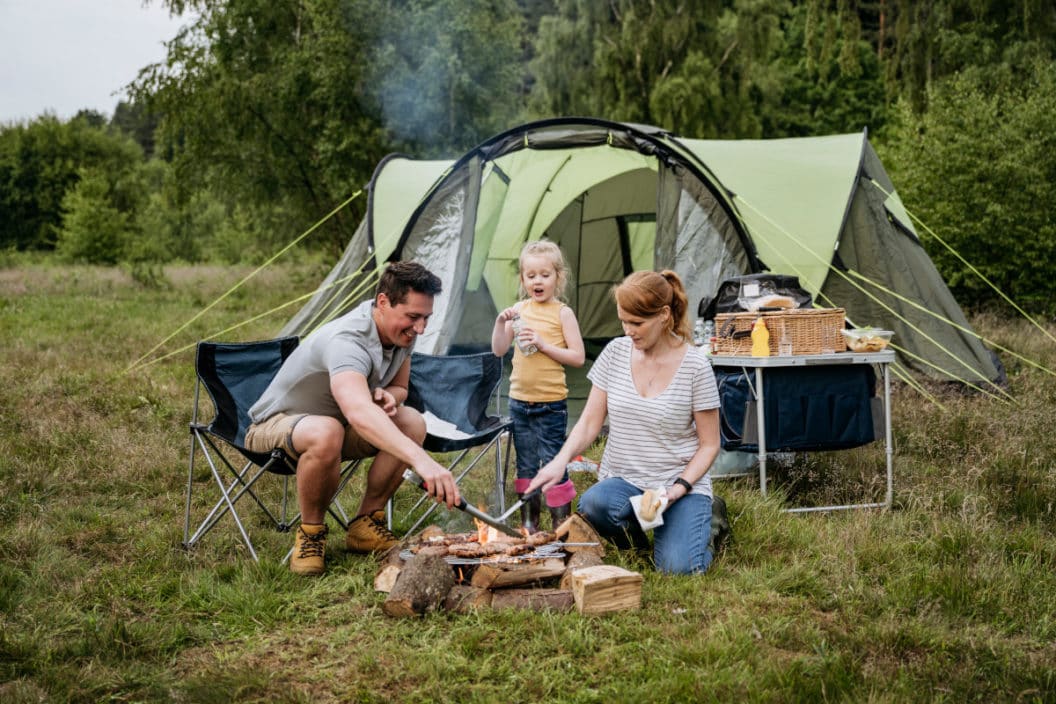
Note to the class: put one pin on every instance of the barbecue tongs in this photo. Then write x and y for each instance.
(496, 523)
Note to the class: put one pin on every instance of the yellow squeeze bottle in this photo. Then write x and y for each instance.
(760, 339)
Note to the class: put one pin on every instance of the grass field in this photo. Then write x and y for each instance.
(950, 596)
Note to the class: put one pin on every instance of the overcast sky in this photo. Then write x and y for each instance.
(62, 56)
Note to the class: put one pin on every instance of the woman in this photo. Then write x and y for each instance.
(659, 395)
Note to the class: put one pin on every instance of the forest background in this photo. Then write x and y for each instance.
(268, 113)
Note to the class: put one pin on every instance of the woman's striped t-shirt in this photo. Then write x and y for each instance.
(651, 440)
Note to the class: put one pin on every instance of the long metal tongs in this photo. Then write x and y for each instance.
(496, 523)
(513, 509)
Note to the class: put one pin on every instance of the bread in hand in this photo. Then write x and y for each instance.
(650, 504)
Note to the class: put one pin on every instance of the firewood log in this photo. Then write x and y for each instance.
(576, 529)
(605, 588)
(421, 586)
(576, 561)
(391, 564)
(511, 574)
(463, 598)
(560, 600)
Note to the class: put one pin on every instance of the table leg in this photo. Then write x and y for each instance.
(888, 445)
(760, 419)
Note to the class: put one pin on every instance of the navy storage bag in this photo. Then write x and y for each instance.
(807, 408)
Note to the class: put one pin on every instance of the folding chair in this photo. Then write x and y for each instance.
(454, 392)
(235, 375)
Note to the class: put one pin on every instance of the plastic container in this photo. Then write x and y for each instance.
(867, 339)
(582, 464)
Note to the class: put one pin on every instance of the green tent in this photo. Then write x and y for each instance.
(620, 197)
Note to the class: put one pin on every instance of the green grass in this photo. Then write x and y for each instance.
(949, 597)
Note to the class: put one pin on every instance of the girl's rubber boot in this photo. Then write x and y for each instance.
(530, 513)
(558, 514)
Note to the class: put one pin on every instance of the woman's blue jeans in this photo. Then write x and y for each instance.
(680, 546)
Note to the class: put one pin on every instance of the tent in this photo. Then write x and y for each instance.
(620, 197)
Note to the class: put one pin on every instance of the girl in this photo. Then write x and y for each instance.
(548, 337)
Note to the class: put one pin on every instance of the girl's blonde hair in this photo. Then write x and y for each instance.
(543, 248)
(645, 293)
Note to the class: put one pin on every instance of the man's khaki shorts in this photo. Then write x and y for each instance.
(277, 432)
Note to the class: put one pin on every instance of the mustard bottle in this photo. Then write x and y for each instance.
(760, 339)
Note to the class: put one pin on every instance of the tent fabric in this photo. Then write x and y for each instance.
(796, 193)
(618, 198)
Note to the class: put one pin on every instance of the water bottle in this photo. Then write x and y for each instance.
(709, 335)
(700, 336)
(526, 348)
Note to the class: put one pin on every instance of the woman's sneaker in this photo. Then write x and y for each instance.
(309, 550)
(368, 533)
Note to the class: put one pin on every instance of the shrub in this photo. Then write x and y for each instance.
(980, 168)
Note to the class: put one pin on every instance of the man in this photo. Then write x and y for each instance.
(340, 396)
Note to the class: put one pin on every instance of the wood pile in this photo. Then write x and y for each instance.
(503, 577)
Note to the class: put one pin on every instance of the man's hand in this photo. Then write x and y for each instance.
(386, 400)
(439, 482)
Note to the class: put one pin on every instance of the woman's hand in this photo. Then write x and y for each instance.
(675, 492)
(548, 476)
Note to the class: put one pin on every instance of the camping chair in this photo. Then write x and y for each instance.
(235, 375)
(454, 393)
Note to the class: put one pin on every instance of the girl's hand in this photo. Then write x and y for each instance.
(507, 315)
(531, 337)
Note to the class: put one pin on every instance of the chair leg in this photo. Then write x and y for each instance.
(229, 505)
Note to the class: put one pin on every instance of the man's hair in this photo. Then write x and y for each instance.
(401, 277)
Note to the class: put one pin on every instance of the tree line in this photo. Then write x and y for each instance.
(267, 113)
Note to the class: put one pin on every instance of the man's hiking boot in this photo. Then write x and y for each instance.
(720, 525)
(368, 534)
(309, 550)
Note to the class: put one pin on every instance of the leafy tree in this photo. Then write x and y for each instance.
(707, 69)
(137, 121)
(267, 103)
(833, 78)
(40, 161)
(93, 230)
(980, 168)
(940, 38)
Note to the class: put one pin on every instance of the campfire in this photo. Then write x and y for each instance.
(558, 570)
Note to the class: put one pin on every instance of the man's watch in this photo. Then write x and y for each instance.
(688, 487)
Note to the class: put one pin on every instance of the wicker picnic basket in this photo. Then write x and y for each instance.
(810, 330)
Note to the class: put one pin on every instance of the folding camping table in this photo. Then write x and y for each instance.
(760, 364)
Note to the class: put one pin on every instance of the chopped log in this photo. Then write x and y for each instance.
(386, 577)
(576, 529)
(605, 588)
(512, 574)
(576, 561)
(421, 586)
(391, 564)
(560, 600)
(463, 598)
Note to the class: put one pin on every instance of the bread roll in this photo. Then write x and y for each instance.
(650, 503)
